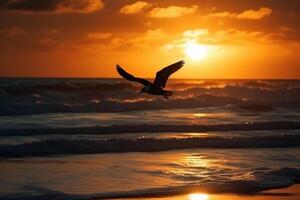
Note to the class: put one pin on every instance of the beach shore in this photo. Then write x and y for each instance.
(290, 193)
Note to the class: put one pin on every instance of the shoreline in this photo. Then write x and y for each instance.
(287, 193)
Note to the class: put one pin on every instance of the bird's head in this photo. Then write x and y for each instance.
(143, 90)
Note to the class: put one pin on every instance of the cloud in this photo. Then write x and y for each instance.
(172, 11)
(195, 33)
(222, 15)
(214, 38)
(57, 6)
(50, 31)
(238, 37)
(11, 32)
(99, 35)
(135, 8)
(151, 39)
(248, 14)
(255, 14)
(153, 35)
(281, 37)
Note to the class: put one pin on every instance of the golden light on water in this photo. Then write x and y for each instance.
(212, 115)
(195, 51)
(200, 115)
(198, 196)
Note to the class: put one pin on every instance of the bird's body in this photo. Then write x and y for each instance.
(157, 87)
(151, 89)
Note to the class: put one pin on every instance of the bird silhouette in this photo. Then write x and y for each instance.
(159, 83)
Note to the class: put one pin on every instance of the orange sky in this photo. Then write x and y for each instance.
(86, 38)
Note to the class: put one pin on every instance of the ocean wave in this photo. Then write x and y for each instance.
(113, 104)
(259, 182)
(121, 145)
(151, 128)
(250, 93)
(66, 87)
(25, 97)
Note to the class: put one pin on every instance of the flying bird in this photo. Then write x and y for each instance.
(159, 83)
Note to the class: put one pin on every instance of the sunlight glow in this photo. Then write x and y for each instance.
(198, 196)
(200, 115)
(195, 51)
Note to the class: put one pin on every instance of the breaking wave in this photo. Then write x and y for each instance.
(151, 128)
(86, 146)
(37, 96)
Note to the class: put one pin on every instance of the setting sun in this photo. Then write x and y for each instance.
(195, 51)
(198, 197)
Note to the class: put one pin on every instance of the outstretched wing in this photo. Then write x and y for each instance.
(130, 77)
(163, 75)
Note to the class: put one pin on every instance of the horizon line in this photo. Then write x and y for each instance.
(75, 77)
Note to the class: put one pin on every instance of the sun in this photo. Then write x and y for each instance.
(195, 51)
(198, 196)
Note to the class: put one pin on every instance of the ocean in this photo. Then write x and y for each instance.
(100, 139)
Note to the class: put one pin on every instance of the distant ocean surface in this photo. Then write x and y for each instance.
(99, 138)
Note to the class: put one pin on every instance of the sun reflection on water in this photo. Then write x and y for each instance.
(196, 161)
(198, 196)
(211, 115)
(200, 115)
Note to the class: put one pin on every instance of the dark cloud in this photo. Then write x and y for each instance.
(81, 6)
